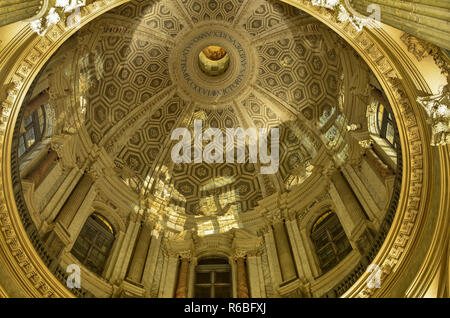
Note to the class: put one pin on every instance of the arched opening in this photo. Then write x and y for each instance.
(32, 130)
(94, 243)
(386, 125)
(330, 242)
(213, 278)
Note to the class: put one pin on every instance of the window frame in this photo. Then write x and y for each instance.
(35, 126)
(103, 229)
(388, 119)
(213, 269)
(326, 226)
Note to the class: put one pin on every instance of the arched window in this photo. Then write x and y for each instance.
(94, 243)
(386, 125)
(213, 278)
(329, 240)
(32, 130)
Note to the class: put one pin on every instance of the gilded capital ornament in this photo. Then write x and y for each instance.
(419, 48)
(239, 253)
(342, 14)
(366, 144)
(185, 254)
(7, 95)
(438, 110)
(56, 11)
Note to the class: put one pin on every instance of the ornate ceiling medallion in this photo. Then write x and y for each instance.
(214, 60)
(215, 78)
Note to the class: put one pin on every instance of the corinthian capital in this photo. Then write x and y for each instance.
(7, 94)
(274, 216)
(438, 110)
(187, 254)
(239, 253)
(366, 144)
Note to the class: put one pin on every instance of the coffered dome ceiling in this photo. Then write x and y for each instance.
(89, 116)
(145, 60)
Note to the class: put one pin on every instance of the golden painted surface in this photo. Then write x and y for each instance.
(214, 53)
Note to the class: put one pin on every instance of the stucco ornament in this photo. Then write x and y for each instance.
(438, 110)
(57, 10)
(342, 14)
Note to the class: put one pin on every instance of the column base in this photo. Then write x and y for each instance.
(57, 239)
(130, 290)
(291, 289)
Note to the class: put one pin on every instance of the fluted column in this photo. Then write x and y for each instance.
(183, 278)
(425, 19)
(242, 288)
(255, 274)
(59, 235)
(294, 236)
(38, 174)
(272, 256)
(348, 208)
(168, 280)
(18, 10)
(375, 161)
(140, 254)
(371, 196)
(287, 266)
(152, 257)
(119, 270)
(73, 203)
(191, 279)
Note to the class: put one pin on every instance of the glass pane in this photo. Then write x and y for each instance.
(96, 241)
(326, 254)
(380, 115)
(205, 261)
(390, 133)
(203, 278)
(202, 292)
(89, 232)
(96, 259)
(223, 277)
(222, 291)
(21, 147)
(335, 229)
(30, 137)
(320, 239)
(28, 120)
(342, 245)
(80, 249)
(41, 120)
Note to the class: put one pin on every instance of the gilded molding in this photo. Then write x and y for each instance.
(438, 110)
